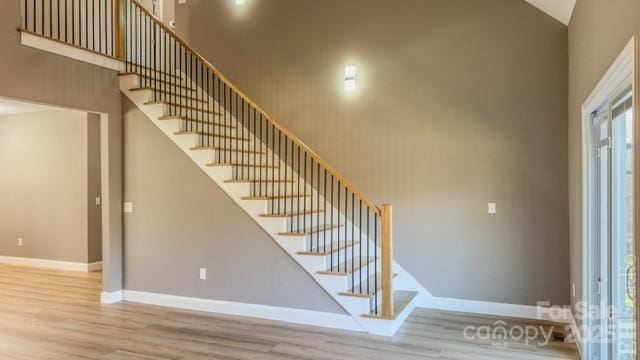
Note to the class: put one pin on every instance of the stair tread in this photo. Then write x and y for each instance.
(309, 231)
(217, 148)
(291, 214)
(346, 268)
(401, 299)
(243, 165)
(272, 197)
(330, 249)
(172, 103)
(194, 132)
(374, 285)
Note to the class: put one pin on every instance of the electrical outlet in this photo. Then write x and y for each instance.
(128, 207)
(573, 289)
(20, 242)
(491, 208)
(203, 274)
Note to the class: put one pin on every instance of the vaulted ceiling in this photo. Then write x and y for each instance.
(559, 9)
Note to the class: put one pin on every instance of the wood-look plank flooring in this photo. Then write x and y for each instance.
(47, 314)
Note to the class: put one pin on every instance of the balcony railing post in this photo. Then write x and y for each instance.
(119, 25)
(387, 260)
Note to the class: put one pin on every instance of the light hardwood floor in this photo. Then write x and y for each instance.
(46, 314)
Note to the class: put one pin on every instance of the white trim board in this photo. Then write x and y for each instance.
(328, 320)
(72, 52)
(498, 309)
(51, 264)
(289, 315)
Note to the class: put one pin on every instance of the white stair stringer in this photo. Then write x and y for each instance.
(357, 307)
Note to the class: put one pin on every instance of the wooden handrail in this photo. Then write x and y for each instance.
(269, 118)
(387, 261)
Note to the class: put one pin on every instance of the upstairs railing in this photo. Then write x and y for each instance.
(339, 221)
(88, 24)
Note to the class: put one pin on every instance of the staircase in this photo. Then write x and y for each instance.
(331, 229)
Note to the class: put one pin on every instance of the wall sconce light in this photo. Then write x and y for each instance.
(350, 78)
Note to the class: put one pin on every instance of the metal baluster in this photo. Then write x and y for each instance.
(375, 256)
(324, 203)
(332, 233)
(353, 273)
(338, 231)
(368, 255)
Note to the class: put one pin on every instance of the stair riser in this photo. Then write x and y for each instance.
(337, 284)
(336, 233)
(183, 99)
(278, 205)
(325, 262)
(256, 174)
(279, 189)
(299, 221)
(160, 82)
(208, 128)
(215, 156)
(218, 140)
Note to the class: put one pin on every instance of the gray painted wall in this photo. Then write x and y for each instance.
(598, 32)
(37, 76)
(45, 160)
(183, 221)
(461, 103)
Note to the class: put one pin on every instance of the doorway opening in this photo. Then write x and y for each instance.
(51, 188)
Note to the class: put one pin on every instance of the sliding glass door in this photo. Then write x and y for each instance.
(611, 255)
(622, 246)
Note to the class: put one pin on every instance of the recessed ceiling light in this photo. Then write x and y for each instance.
(240, 2)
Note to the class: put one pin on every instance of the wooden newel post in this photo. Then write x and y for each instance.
(387, 261)
(119, 25)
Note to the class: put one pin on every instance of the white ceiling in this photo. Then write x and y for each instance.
(559, 9)
(8, 107)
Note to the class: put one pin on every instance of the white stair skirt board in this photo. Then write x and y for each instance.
(51, 264)
(289, 315)
(69, 51)
(333, 285)
(558, 315)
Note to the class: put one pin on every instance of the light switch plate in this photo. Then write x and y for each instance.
(203, 274)
(98, 201)
(128, 207)
(491, 208)
(20, 242)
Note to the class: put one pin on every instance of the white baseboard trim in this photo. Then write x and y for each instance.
(71, 52)
(114, 297)
(94, 266)
(290, 315)
(51, 264)
(562, 316)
